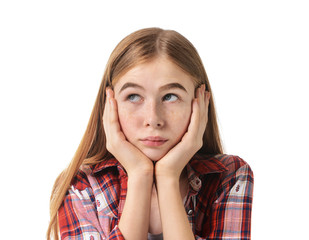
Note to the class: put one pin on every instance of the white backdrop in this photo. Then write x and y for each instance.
(52, 57)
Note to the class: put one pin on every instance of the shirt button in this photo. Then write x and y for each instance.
(190, 212)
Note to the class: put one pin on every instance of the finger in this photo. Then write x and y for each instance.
(109, 115)
(107, 107)
(199, 92)
(207, 96)
(198, 108)
(106, 111)
(207, 100)
(199, 115)
(201, 96)
(203, 107)
(202, 102)
(112, 110)
(194, 121)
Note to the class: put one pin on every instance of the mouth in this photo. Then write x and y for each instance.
(153, 141)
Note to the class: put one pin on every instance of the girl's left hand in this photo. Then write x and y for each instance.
(172, 164)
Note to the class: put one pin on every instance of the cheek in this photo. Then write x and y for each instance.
(124, 117)
(127, 120)
(180, 119)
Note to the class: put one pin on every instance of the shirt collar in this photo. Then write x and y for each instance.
(112, 162)
(206, 164)
(202, 165)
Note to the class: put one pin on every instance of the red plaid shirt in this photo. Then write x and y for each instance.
(218, 203)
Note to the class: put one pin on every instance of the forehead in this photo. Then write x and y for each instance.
(156, 73)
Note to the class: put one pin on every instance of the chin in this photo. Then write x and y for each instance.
(155, 156)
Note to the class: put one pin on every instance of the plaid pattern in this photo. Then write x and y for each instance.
(218, 203)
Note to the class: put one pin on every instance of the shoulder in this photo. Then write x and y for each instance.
(238, 178)
(220, 163)
(236, 167)
(231, 168)
(232, 163)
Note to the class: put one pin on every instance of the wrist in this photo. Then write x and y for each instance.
(164, 172)
(167, 182)
(140, 168)
(141, 175)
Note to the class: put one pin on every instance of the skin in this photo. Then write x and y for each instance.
(154, 100)
(155, 115)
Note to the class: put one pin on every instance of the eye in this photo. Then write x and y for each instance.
(170, 97)
(134, 98)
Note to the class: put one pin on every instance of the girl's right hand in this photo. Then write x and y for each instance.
(131, 158)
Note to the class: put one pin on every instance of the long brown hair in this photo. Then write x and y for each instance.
(138, 47)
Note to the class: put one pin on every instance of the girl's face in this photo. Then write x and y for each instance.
(154, 106)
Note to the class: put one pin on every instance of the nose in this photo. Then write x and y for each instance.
(153, 115)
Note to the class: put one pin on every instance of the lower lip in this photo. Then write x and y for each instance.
(153, 143)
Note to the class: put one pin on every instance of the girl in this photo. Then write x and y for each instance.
(150, 164)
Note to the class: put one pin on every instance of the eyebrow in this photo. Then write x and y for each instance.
(128, 85)
(165, 87)
(173, 85)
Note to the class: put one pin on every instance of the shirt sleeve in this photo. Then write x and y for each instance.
(231, 210)
(78, 218)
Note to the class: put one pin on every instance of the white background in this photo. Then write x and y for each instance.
(52, 58)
